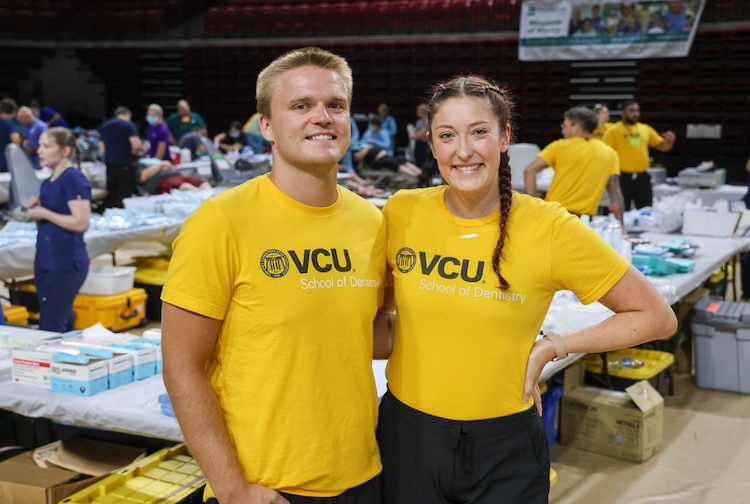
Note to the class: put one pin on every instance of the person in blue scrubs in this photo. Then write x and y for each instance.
(62, 212)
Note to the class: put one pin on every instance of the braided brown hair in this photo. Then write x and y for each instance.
(499, 101)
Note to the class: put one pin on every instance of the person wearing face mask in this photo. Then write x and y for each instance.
(232, 139)
(157, 132)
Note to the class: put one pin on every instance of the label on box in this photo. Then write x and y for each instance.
(31, 367)
(79, 379)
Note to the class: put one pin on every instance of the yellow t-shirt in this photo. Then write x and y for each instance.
(582, 169)
(631, 144)
(297, 288)
(462, 344)
(601, 130)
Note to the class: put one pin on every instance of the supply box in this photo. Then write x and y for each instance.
(168, 476)
(722, 344)
(115, 312)
(710, 222)
(24, 482)
(71, 465)
(627, 425)
(106, 280)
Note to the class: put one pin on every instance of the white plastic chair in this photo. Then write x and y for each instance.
(23, 182)
(521, 154)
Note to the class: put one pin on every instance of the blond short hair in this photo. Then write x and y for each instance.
(156, 108)
(267, 83)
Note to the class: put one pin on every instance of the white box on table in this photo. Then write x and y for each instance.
(31, 367)
(108, 280)
(710, 222)
(80, 379)
(144, 358)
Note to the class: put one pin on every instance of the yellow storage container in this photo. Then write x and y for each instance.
(654, 362)
(167, 477)
(15, 314)
(24, 294)
(155, 262)
(152, 281)
(115, 312)
(629, 365)
(552, 477)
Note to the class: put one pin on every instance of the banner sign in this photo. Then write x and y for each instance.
(592, 30)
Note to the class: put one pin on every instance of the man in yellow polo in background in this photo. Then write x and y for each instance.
(584, 167)
(632, 139)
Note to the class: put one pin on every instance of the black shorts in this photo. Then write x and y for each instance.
(366, 493)
(431, 460)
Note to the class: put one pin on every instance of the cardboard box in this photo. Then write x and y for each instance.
(710, 222)
(627, 425)
(22, 481)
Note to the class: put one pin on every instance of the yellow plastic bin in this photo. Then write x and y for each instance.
(625, 368)
(24, 293)
(168, 476)
(15, 314)
(116, 312)
(152, 281)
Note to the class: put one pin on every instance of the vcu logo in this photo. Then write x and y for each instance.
(406, 259)
(445, 267)
(275, 263)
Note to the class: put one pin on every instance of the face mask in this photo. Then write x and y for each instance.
(235, 134)
(152, 120)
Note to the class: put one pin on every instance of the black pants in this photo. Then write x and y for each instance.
(636, 187)
(120, 184)
(366, 493)
(431, 460)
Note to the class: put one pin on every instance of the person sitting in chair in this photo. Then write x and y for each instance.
(377, 158)
(161, 178)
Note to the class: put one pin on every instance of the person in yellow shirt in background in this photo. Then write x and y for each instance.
(632, 139)
(584, 167)
(602, 119)
(267, 325)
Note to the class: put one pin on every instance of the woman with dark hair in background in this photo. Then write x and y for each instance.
(62, 211)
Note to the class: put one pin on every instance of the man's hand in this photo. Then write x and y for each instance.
(254, 494)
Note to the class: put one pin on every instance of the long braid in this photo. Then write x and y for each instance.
(506, 199)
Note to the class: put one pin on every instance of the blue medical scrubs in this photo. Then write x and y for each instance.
(62, 261)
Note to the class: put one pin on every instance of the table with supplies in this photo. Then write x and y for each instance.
(131, 408)
(707, 196)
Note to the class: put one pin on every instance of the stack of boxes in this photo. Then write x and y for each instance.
(87, 363)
